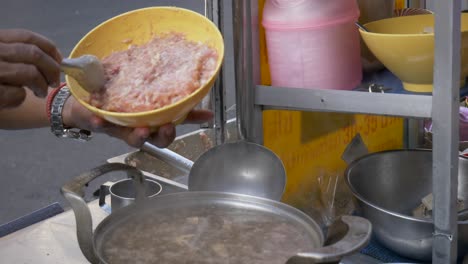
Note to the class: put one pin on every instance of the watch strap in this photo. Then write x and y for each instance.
(56, 120)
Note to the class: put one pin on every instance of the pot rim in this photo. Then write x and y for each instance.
(117, 216)
(368, 203)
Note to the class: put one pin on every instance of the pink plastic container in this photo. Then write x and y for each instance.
(313, 43)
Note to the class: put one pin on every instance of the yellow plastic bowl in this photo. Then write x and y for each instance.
(140, 26)
(400, 44)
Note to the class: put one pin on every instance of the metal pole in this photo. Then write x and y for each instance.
(430, 4)
(249, 115)
(207, 102)
(445, 124)
(216, 100)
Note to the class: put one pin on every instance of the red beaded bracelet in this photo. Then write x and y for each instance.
(50, 98)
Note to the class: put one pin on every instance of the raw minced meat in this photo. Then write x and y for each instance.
(165, 70)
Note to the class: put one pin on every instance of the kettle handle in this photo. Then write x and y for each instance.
(73, 191)
(356, 238)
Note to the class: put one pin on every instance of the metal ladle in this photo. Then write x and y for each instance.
(240, 167)
(87, 70)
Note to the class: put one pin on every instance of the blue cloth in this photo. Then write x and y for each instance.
(376, 250)
(379, 252)
(389, 80)
(30, 219)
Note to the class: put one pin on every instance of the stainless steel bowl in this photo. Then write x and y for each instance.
(388, 186)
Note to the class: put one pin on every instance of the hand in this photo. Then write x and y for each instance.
(76, 115)
(26, 59)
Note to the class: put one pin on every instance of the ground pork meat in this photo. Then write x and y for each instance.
(161, 72)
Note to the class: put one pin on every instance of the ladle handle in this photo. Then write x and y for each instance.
(168, 156)
(357, 237)
(73, 191)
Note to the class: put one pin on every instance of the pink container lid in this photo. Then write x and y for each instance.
(301, 14)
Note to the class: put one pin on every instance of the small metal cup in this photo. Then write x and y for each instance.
(123, 193)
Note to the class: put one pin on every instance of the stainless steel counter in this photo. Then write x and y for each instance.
(50, 241)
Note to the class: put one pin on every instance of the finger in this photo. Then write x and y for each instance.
(11, 96)
(25, 36)
(137, 137)
(18, 74)
(164, 137)
(133, 137)
(119, 132)
(198, 116)
(30, 54)
(100, 125)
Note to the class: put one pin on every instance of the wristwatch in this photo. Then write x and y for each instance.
(57, 127)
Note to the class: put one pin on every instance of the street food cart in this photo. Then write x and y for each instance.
(309, 129)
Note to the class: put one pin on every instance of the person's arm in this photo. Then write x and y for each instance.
(30, 114)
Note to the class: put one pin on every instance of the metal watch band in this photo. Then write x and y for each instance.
(57, 127)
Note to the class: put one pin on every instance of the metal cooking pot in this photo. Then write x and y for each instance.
(388, 186)
(204, 227)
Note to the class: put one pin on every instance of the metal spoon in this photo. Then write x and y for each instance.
(361, 26)
(463, 215)
(87, 70)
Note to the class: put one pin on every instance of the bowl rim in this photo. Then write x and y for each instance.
(376, 207)
(399, 34)
(164, 108)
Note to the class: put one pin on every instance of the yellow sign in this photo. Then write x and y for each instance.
(311, 144)
(400, 4)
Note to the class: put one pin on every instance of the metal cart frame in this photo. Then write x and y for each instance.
(442, 106)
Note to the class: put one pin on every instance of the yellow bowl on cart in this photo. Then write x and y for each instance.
(405, 45)
(139, 26)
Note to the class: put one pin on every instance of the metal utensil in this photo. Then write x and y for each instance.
(361, 26)
(87, 70)
(239, 167)
(388, 186)
(373, 88)
(463, 215)
(123, 192)
(355, 149)
(170, 157)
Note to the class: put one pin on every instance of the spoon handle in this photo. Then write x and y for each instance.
(361, 26)
(70, 63)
